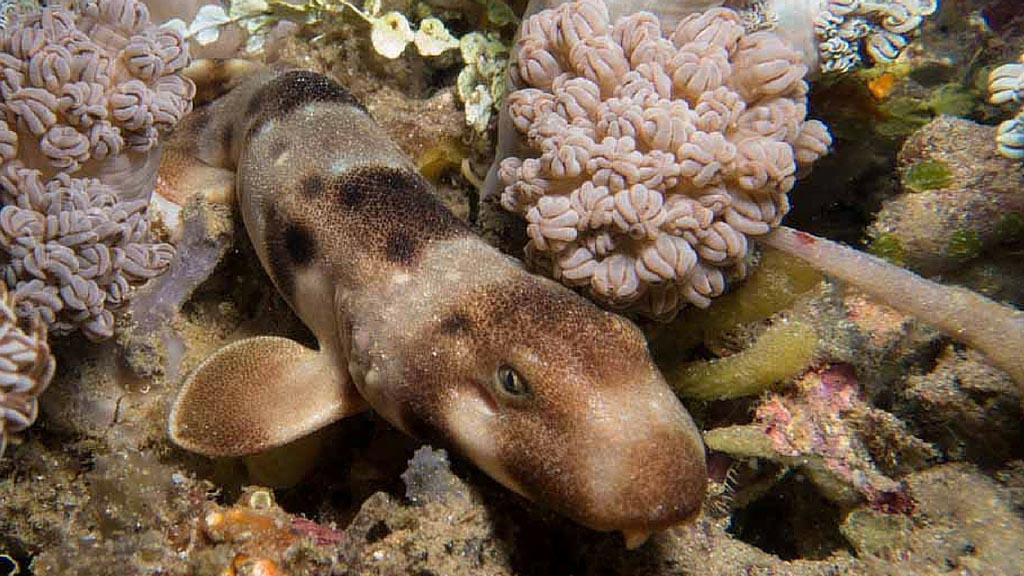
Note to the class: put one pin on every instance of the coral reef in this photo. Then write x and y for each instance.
(26, 367)
(1005, 85)
(85, 97)
(96, 485)
(658, 156)
(961, 199)
(74, 250)
(837, 35)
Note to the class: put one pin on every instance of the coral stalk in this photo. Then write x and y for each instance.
(994, 329)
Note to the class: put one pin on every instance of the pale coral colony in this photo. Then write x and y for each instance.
(26, 367)
(85, 97)
(658, 155)
(1006, 85)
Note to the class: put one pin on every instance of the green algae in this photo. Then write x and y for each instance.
(783, 351)
(777, 283)
(928, 175)
(955, 99)
(886, 245)
(903, 114)
(964, 244)
(1010, 227)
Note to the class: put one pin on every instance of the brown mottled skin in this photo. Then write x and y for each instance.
(421, 320)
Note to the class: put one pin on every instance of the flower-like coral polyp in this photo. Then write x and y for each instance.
(1006, 85)
(657, 152)
(26, 367)
(86, 95)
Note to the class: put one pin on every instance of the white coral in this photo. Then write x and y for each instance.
(85, 93)
(90, 85)
(1006, 85)
(656, 156)
(26, 367)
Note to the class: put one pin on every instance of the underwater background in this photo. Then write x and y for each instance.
(843, 436)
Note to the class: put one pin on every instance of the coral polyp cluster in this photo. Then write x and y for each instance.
(26, 367)
(90, 87)
(74, 250)
(85, 97)
(1006, 85)
(658, 155)
(841, 34)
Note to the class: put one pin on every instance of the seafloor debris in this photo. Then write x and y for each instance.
(26, 367)
(1005, 85)
(85, 96)
(429, 478)
(256, 537)
(964, 523)
(658, 156)
(152, 343)
(966, 408)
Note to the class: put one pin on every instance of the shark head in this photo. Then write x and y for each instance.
(554, 398)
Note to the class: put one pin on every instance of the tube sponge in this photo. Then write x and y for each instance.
(783, 351)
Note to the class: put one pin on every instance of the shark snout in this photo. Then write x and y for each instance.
(647, 480)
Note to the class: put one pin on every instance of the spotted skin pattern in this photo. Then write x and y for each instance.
(421, 320)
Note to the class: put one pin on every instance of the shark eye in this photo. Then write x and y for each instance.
(511, 383)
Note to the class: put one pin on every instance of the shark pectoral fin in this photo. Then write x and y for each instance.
(258, 394)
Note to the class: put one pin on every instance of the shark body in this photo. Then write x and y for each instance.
(419, 319)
